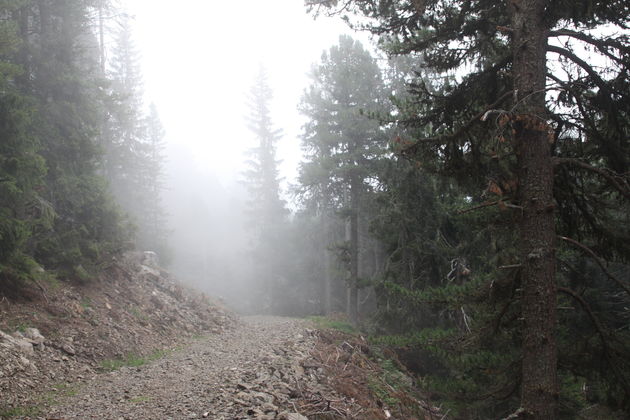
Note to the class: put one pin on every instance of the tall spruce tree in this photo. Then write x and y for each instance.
(341, 142)
(541, 127)
(59, 75)
(22, 169)
(266, 211)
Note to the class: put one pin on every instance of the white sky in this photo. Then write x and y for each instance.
(200, 57)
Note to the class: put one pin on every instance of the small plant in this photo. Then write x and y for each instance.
(9, 412)
(86, 303)
(132, 360)
(139, 399)
(139, 314)
(379, 388)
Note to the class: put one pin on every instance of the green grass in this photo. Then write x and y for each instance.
(132, 360)
(139, 314)
(140, 399)
(323, 322)
(379, 388)
(86, 302)
(19, 412)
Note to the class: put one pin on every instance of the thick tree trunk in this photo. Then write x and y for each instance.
(539, 393)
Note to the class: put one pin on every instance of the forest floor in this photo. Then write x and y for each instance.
(135, 344)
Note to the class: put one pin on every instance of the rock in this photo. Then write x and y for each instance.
(20, 344)
(68, 349)
(291, 416)
(34, 335)
(267, 407)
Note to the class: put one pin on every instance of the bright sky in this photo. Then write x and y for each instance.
(200, 57)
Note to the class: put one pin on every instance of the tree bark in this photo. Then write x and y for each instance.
(539, 392)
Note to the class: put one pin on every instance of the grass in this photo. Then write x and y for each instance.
(139, 314)
(49, 398)
(323, 322)
(86, 302)
(132, 360)
(379, 388)
(19, 412)
(140, 399)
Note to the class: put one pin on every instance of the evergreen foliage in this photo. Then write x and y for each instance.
(342, 144)
(514, 108)
(266, 210)
(56, 209)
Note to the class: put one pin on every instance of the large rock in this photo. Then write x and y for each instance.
(19, 344)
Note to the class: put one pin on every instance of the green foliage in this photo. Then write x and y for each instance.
(132, 360)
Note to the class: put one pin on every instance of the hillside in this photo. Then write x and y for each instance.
(58, 333)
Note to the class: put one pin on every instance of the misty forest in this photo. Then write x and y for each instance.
(436, 226)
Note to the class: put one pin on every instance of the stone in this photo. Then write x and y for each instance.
(267, 407)
(68, 349)
(20, 344)
(34, 336)
(291, 416)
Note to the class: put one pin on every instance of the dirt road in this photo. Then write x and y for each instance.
(251, 371)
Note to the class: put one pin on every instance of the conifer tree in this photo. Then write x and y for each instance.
(527, 118)
(341, 141)
(21, 167)
(59, 72)
(266, 211)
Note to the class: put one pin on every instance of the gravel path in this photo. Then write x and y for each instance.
(252, 371)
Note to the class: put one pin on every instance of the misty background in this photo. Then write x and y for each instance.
(198, 64)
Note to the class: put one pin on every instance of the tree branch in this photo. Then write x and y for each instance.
(610, 176)
(597, 260)
(600, 44)
(608, 350)
(458, 133)
(583, 64)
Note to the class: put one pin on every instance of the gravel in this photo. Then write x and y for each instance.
(250, 371)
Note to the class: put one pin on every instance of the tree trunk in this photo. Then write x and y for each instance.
(353, 303)
(327, 286)
(539, 393)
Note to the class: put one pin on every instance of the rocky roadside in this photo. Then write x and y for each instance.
(63, 335)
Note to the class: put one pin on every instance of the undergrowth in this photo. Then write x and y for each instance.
(132, 360)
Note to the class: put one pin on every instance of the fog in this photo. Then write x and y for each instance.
(198, 62)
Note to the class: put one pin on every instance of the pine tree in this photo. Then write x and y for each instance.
(502, 124)
(341, 141)
(153, 232)
(266, 211)
(22, 169)
(59, 74)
